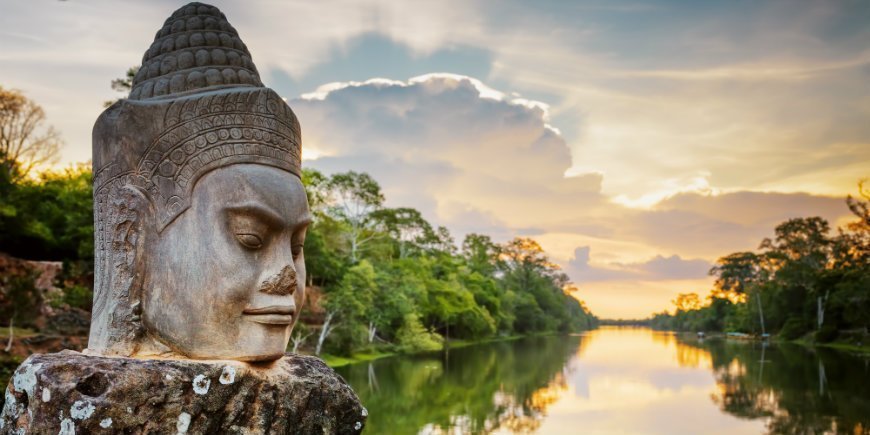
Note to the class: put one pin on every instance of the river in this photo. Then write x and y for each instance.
(617, 381)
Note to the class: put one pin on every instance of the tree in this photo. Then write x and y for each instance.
(852, 247)
(25, 142)
(315, 189)
(799, 252)
(49, 217)
(352, 300)
(687, 302)
(738, 273)
(524, 258)
(353, 198)
(300, 334)
(443, 242)
(412, 336)
(123, 85)
(407, 226)
(481, 254)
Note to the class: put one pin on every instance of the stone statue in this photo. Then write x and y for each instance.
(200, 219)
(200, 213)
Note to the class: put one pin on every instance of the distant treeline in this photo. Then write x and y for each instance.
(803, 280)
(624, 322)
(388, 279)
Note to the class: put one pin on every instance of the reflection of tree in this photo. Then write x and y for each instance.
(686, 356)
(665, 338)
(478, 389)
(796, 390)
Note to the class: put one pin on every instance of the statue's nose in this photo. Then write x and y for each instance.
(282, 283)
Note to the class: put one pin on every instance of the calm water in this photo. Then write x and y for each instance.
(617, 381)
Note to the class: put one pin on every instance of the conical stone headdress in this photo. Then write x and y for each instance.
(197, 104)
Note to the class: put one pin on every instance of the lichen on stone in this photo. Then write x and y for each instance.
(201, 384)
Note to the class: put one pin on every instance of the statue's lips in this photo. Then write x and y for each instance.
(271, 315)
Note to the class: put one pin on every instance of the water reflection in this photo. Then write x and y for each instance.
(795, 390)
(476, 389)
(616, 380)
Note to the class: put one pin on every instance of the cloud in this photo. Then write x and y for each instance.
(710, 226)
(446, 143)
(711, 98)
(479, 159)
(655, 269)
(674, 267)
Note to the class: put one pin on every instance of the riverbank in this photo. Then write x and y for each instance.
(578, 382)
(359, 357)
(861, 348)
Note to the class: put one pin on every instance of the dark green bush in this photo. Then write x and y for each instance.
(78, 296)
(19, 300)
(794, 328)
(827, 334)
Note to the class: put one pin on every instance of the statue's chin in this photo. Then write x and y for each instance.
(258, 358)
(249, 358)
(264, 359)
(154, 348)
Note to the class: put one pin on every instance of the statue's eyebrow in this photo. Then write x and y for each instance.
(305, 220)
(264, 213)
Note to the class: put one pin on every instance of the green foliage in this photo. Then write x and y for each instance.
(78, 296)
(391, 278)
(827, 334)
(793, 328)
(123, 85)
(19, 299)
(802, 280)
(413, 337)
(49, 218)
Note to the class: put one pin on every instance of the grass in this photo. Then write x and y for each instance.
(850, 347)
(17, 332)
(457, 343)
(863, 349)
(358, 357)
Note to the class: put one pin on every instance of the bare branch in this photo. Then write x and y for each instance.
(25, 143)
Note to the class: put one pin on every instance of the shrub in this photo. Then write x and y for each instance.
(78, 296)
(19, 299)
(827, 334)
(794, 328)
(413, 337)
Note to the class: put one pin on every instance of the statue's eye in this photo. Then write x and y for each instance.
(251, 241)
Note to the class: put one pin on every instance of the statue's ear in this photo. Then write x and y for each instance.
(133, 225)
(127, 224)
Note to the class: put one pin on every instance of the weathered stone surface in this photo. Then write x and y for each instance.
(70, 393)
(199, 209)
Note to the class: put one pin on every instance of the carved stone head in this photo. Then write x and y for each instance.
(200, 213)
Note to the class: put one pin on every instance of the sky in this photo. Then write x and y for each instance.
(637, 141)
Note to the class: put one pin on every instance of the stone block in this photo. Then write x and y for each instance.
(68, 392)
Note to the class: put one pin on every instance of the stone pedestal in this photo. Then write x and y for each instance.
(68, 392)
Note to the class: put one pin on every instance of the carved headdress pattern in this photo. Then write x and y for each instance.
(198, 84)
(197, 104)
(197, 48)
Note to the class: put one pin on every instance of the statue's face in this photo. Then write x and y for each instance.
(227, 279)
